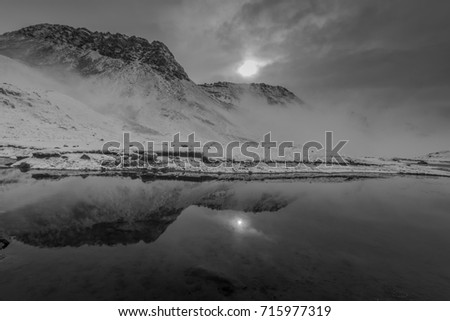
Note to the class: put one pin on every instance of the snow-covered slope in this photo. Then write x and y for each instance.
(36, 110)
(51, 119)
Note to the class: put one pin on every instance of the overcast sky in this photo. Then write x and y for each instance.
(384, 63)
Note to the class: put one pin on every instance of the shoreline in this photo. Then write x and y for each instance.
(57, 164)
(147, 176)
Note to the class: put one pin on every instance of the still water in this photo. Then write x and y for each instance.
(99, 238)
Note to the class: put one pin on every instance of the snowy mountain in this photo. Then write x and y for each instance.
(127, 80)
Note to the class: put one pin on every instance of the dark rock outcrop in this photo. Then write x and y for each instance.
(24, 167)
(51, 44)
(3, 243)
(46, 154)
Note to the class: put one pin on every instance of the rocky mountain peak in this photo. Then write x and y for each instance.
(232, 93)
(81, 42)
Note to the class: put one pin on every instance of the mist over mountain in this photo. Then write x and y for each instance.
(138, 86)
(137, 83)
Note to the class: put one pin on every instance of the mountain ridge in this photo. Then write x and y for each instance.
(232, 93)
(90, 46)
(138, 82)
(115, 46)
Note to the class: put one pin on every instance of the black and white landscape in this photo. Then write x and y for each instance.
(81, 222)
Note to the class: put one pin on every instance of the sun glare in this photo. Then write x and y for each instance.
(248, 68)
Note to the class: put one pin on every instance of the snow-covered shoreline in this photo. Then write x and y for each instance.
(68, 162)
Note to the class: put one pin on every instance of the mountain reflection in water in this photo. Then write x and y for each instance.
(94, 211)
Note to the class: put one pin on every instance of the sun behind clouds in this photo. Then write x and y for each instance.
(249, 68)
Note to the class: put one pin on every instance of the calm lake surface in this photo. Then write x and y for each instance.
(99, 238)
